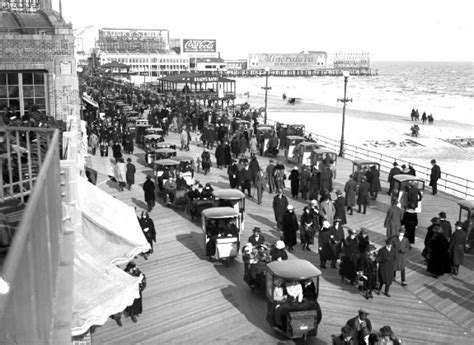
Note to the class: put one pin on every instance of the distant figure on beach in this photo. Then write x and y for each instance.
(284, 97)
(430, 119)
(423, 118)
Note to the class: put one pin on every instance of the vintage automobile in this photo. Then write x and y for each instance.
(161, 168)
(163, 153)
(302, 153)
(291, 142)
(466, 216)
(233, 198)
(322, 158)
(150, 144)
(400, 182)
(140, 129)
(295, 129)
(360, 168)
(241, 124)
(264, 133)
(221, 237)
(293, 316)
(186, 168)
(131, 124)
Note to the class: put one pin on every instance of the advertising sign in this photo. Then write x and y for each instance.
(199, 46)
(288, 61)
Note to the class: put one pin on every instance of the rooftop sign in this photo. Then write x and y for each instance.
(199, 46)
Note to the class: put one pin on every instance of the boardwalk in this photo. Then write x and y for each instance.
(189, 300)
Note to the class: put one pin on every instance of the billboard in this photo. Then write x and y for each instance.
(199, 46)
(305, 61)
(134, 34)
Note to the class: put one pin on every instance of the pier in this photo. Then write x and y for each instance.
(189, 300)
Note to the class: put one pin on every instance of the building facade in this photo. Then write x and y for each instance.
(304, 63)
(37, 64)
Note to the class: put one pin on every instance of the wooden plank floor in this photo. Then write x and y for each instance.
(189, 300)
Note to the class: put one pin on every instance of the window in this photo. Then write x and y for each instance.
(20, 91)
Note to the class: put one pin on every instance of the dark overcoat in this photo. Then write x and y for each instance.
(363, 194)
(385, 258)
(339, 205)
(149, 189)
(350, 189)
(130, 174)
(400, 249)
(279, 207)
(456, 247)
(438, 262)
(290, 227)
(295, 181)
(374, 180)
(220, 155)
(393, 220)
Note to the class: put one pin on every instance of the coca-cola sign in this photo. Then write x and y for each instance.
(199, 46)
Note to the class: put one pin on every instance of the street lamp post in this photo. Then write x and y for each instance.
(266, 88)
(344, 101)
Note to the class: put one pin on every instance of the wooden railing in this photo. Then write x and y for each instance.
(448, 183)
(31, 265)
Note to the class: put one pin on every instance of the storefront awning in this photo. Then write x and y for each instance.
(109, 225)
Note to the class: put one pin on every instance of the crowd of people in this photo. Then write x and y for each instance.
(338, 245)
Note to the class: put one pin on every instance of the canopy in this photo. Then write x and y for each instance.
(100, 288)
(294, 269)
(90, 101)
(110, 225)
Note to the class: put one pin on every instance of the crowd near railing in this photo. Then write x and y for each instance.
(448, 183)
(31, 265)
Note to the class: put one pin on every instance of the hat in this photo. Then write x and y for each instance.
(337, 219)
(433, 161)
(458, 224)
(148, 177)
(351, 231)
(271, 160)
(442, 215)
(435, 220)
(295, 168)
(388, 241)
(364, 231)
(371, 248)
(290, 207)
(363, 311)
(280, 244)
(326, 224)
(346, 332)
(257, 229)
(338, 192)
(386, 331)
(395, 164)
(401, 231)
(314, 202)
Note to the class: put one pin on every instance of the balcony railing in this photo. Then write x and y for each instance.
(32, 261)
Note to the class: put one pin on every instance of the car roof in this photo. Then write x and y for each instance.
(364, 162)
(165, 150)
(166, 143)
(308, 143)
(294, 269)
(220, 212)
(469, 204)
(293, 137)
(406, 177)
(230, 194)
(324, 151)
(165, 162)
(183, 158)
(152, 136)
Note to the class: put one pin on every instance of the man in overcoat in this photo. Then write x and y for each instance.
(394, 171)
(280, 203)
(363, 195)
(130, 174)
(393, 219)
(401, 245)
(233, 173)
(456, 248)
(434, 176)
(385, 258)
(350, 189)
(149, 189)
(373, 177)
(340, 207)
(358, 323)
(290, 227)
(270, 177)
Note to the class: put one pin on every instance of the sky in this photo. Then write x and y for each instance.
(402, 30)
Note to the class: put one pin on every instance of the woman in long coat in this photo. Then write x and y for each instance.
(307, 229)
(438, 256)
(350, 254)
(260, 185)
(137, 307)
(410, 221)
(295, 182)
(393, 219)
(350, 189)
(326, 252)
(206, 161)
(290, 227)
(279, 174)
(220, 155)
(367, 265)
(385, 258)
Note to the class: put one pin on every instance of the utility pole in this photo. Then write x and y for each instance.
(266, 88)
(344, 101)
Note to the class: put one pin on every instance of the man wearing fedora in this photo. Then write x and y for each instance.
(257, 238)
(394, 171)
(358, 323)
(456, 248)
(434, 176)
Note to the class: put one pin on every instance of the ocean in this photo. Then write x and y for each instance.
(443, 89)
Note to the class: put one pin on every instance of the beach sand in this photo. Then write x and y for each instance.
(380, 132)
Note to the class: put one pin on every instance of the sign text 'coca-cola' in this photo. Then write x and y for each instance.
(201, 46)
